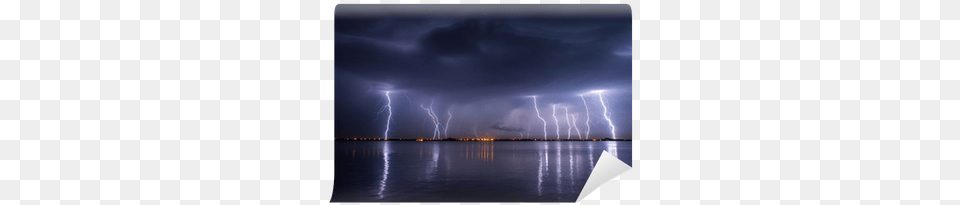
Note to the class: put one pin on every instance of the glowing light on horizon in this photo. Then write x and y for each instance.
(613, 129)
(585, 106)
(541, 118)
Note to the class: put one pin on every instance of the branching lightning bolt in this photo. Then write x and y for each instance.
(433, 118)
(588, 115)
(541, 118)
(436, 121)
(613, 129)
(555, 121)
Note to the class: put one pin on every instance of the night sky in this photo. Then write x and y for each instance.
(482, 64)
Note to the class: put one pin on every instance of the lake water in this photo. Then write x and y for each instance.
(456, 171)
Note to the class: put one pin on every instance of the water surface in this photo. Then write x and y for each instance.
(457, 171)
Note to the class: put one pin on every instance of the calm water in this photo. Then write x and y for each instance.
(498, 171)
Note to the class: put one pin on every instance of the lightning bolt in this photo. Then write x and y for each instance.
(433, 118)
(541, 118)
(607, 116)
(566, 112)
(447, 126)
(588, 115)
(555, 121)
(577, 128)
(436, 121)
(389, 116)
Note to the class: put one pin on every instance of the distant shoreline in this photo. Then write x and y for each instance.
(474, 139)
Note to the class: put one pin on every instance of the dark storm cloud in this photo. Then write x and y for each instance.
(478, 65)
(484, 57)
(502, 126)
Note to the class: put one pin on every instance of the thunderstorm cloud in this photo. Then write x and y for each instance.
(479, 72)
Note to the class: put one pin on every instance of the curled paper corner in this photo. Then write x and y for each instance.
(608, 167)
